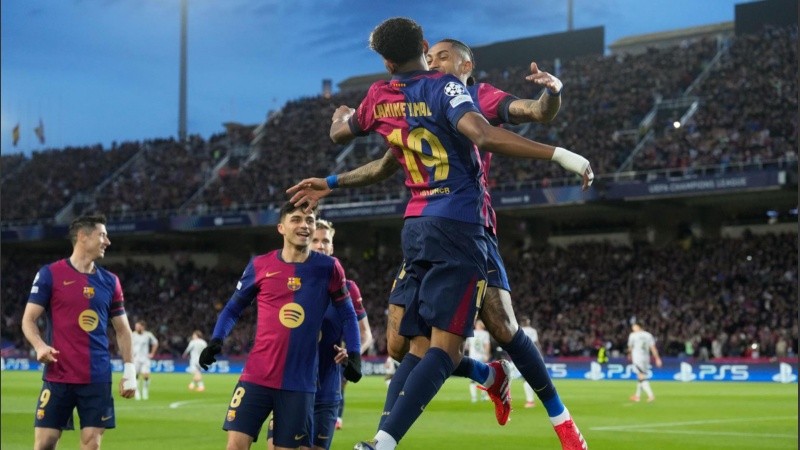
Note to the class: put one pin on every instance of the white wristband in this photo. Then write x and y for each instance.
(570, 161)
(129, 375)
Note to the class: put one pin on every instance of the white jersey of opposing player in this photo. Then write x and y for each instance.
(532, 334)
(477, 345)
(640, 342)
(194, 349)
(141, 350)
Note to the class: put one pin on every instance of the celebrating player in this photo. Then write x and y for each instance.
(78, 297)
(193, 349)
(292, 288)
(145, 345)
(451, 56)
(444, 240)
(640, 345)
(330, 391)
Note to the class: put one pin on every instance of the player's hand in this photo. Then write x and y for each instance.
(575, 163)
(588, 178)
(46, 354)
(341, 354)
(208, 355)
(658, 362)
(545, 79)
(310, 190)
(352, 369)
(127, 385)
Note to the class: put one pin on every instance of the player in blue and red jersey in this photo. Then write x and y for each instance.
(432, 126)
(292, 288)
(78, 298)
(330, 386)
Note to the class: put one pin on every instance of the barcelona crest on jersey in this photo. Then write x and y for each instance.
(294, 283)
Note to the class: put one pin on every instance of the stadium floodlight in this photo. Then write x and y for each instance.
(183, 58)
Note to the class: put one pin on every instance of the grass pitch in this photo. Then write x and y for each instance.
(685, 416)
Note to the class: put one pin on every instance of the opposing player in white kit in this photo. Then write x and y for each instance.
(533, 335)
(640, 345)
(195, 347)
(479, 347)
(144, 349)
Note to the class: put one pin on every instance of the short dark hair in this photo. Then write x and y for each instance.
(86, 223)
(398, 40)
(463, 48)
(290, 207)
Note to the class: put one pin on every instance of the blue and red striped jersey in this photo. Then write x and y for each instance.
(291, 299)
(493, 104)
(77, 308)
(417, 114)
(329, 388)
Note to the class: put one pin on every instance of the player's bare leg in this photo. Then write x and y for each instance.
(240, 441)
(497, 314)
(396, 344)
(91, 438)
(45, 438)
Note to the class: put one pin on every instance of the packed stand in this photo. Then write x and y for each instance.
(747, 116)
(160, 181)
(48, 180)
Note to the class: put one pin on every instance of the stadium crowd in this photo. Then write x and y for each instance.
(707, 299)
(605, 99)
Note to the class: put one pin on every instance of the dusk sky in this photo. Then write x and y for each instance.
(96, 71)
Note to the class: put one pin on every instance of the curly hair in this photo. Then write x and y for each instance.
(398, 40)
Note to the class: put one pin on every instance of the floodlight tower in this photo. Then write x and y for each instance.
(182, 95)
(569, 15)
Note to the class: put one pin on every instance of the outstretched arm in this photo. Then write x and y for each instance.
(498, 140)
(312, 190)
(543, 109)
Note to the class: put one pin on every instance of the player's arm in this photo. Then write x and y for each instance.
(242, 297)
(340, 132)
(122, 330)
(153, 346)
(543, 109)
(312, 190)
(656, 356)
(366, 334)
(45, 354)
(498, 140)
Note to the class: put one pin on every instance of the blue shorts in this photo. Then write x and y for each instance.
(57, 401)
(325, 423)
(446, 270)
(251, 404)
(497, 269)
(398, 295)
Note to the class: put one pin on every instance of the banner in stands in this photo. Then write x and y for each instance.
(224, 220)
(361, 210)
(696, 186)
(673, 369)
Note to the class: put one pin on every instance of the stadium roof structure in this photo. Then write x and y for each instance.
(640, 43)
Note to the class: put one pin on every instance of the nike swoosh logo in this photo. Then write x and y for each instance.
(269, 274)
(319, 436)
(491, 271)
(104, 418)
(67, 283)
(540, 389)
(297, 437)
